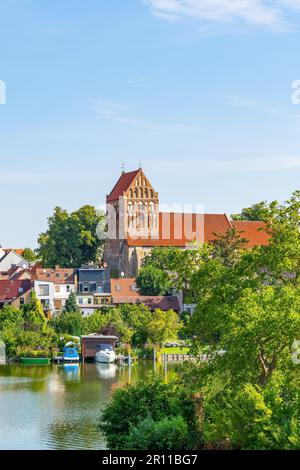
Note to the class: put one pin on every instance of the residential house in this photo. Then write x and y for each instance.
(10, 258)
(53, 287)
(14, 292)
(93, 289)
(16, 272)
(125, 291)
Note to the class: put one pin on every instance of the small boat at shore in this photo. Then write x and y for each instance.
(71, 352)
(105, 354)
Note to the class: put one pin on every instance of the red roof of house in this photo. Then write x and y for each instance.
(124, 287)
(14, 272)
(153, 302)
(178, 229)
(254, 232)
(10, 289)
(56, 275)
(19, 251)
(122, 185)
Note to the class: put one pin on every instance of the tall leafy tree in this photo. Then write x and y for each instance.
(153, 281)
(227, 247)
(259, 211)
(71, 239)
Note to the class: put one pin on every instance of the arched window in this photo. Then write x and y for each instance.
(141, 193)
(131, 193)
(146, 193)
(136, 193)
(151, 193)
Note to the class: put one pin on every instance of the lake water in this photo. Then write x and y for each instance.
(58, 406)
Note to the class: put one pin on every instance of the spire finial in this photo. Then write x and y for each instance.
(123, 167)
(140, 164)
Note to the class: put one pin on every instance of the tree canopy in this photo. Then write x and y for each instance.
(71, 239)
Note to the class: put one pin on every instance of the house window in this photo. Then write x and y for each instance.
(89, 301)
(57, 275)
(93, 286)
(118, 287)
(68, 288)
(133, 287)
(85, 289)
(80, 301)
(57, 288)
(44, 290)
(22, 301)
(21, 290)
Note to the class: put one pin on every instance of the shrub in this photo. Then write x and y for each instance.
(164, 435)
(152, 399)
(33, 353)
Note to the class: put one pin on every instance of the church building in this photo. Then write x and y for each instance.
(136, 225)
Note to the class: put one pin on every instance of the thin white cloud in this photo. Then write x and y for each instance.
(242, 102)
(122, 114)
(237, 101)
(263, 13)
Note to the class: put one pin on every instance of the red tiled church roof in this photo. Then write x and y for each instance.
(253, 231)
(177, 229)
(122, 185)
(202, 229)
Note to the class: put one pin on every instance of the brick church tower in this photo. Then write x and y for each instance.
(132, 214)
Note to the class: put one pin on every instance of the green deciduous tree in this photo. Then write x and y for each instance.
(71, 239)
(259, 211)
(29, 255)
(164, 326)
(69, 323)
(153, 281)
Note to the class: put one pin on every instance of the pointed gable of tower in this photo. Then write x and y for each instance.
(140, 189)
(132, 206)
(122, 185)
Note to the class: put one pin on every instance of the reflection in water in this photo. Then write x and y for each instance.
(106, 371)
(72, 372)
(58, 406)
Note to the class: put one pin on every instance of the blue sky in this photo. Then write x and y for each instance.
(199, 91)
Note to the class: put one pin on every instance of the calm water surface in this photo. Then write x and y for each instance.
(58, 406)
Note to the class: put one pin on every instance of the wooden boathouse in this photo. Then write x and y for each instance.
(89, 344)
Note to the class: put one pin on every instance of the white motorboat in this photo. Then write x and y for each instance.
(105, 354)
